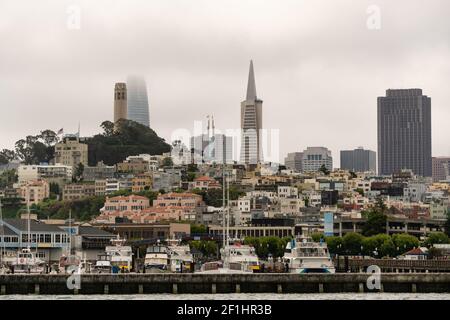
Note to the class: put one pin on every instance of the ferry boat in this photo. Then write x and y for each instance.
(156, 257)
(303, 255)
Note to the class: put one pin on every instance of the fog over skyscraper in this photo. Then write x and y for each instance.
(138, 109)
(251, 123)
(404, 132)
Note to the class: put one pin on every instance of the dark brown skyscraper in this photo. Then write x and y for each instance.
(404, 132)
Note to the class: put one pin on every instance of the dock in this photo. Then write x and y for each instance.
(172, 283)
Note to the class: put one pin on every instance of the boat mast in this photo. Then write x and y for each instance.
(223, 208)
(2, 249)
(70, 232)
(28, 226)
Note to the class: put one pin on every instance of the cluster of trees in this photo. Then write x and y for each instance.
(129, 138)
(380, 245)
(33, 149)
(265, 246)
(213, 197)
(206, 247)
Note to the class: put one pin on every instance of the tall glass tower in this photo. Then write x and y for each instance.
(137, 100)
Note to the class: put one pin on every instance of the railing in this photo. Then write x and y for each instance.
(392, 264)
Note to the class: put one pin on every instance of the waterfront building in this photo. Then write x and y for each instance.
(251, 124)
(293, 161)
(358, 160)
(440, 168)
(404, 132)
(71, 152)
(120, 102)
(316, 157)
(143, 231)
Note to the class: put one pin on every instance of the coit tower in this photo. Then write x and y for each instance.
(120, 101)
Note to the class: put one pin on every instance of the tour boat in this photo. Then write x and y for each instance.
(306, 256)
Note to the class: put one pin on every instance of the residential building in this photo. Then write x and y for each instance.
(52, 173)
(71, 152)
(142, 182)
(98, 172)
(34, 192)
(77, 191)
(404, 132)
(440, 168)
(359, 160)
(205, 183)
(131, 203)
(133, 165)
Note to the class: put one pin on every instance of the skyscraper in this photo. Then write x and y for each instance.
(404, 132)
(120, 101)
(359, 160)
(137, 100)
(251, 123)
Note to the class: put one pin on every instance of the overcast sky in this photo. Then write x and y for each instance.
(318, 67)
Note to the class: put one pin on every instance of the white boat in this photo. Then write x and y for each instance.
(156, 257)
(303, 255)
(27, 262)
(120, 256)
(103, 264)
(243, 255)
(179, 256)
(235, 258)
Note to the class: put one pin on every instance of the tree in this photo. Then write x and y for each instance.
(352, 242)
(78, 175)
(167, 162)
(317, 236)
(324, 170)
(198, 229)
(7, 156)
(335, 244)
(108, 128)
(375, 224)
(387, 248)
(447, 224)
(435, 238)
(405, 242)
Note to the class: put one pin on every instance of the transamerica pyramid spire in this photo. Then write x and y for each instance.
(251, 86)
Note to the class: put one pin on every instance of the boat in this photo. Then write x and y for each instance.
(156, 258)
(302, 255)
(70, 262)
(179, 256)
(119, 255)
(26, 260)
(243, 257)
(103, 264)
(235, 258)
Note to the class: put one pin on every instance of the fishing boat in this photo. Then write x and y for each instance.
(179, 256)
(156, 258)
(117, 258)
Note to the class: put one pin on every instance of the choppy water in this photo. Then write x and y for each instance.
(241, 296)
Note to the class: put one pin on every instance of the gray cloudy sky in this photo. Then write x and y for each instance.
(319, 68)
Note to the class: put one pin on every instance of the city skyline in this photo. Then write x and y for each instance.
(320, 83)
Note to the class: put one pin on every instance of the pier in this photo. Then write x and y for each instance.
(172, 283)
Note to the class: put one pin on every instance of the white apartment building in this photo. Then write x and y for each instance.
(37, 172)
(287, 192)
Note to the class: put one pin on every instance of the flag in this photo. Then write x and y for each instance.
(60, 131)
